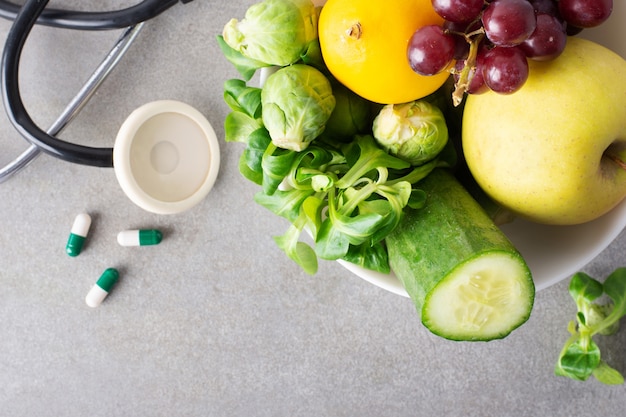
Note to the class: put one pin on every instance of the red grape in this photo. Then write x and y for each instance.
(509, 22)
(585, 13)
(430, 50)
(547, 41)
(572, 30)
(545, 6)
(458, 11)
(461, 47)
(492, 40)
(505, 70)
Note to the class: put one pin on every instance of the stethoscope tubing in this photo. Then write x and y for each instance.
(79, 101)
(82, 20)
(14, 106)
(24, 19)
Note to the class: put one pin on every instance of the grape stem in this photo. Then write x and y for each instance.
(466, 74)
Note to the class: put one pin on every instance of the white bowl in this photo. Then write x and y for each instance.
(553, 253)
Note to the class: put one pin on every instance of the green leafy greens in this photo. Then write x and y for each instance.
(347, 196)
(580, 357)
(309, 143)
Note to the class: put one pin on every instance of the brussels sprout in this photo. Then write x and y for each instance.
(414, 131)
(276, 32)
(297, 101)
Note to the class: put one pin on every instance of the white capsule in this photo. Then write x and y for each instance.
(95, 296)
(78, 233)
(81, 225)
(101, 288)
(144, 237)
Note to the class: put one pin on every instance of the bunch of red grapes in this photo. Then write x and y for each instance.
(490, 41)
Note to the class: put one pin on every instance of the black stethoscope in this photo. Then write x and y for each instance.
(166, 154)
(35, 12)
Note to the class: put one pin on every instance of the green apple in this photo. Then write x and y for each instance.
(553, 152)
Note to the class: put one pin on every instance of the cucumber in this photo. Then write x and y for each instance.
(466, 279)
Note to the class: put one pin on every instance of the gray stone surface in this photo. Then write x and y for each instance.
(216, 321)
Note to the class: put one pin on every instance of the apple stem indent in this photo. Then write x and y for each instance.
(617, 160)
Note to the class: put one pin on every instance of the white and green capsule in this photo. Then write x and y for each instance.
(78, 234)
(145, 237)
(102, 287)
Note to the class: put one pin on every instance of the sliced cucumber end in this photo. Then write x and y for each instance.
(483, 298)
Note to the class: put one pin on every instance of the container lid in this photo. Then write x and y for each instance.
(166, 157)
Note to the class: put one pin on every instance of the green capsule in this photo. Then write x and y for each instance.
(102, 287)
(108, 279)
(78, 234)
